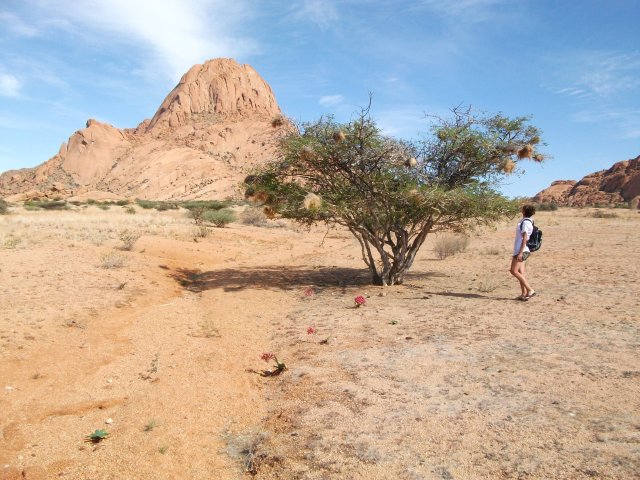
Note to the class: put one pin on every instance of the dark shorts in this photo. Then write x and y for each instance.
(525, 255)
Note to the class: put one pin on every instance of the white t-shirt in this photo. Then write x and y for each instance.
(522, 227)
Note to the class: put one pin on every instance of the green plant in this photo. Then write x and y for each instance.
(279, 366)
(11, 241)
(130, 210)
(46, 205)
(547, 206)
(151, 424)
(447, 245)
(389, 193)
(220, 218)
(97, 436)
(104, 206)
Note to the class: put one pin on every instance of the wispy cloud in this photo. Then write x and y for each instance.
(600, 73)
(322, 13)
(15, 25)
(626, 121)
(330, 100)
(470, 11)
(174, 34)
(9, 85)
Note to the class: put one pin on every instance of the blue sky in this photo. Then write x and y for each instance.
(574, 66)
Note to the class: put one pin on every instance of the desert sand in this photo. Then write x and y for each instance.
(445, 377)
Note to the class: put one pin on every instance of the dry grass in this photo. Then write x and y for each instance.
(447, 245)
(112, 259)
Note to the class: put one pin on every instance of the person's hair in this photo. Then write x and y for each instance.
(528, 210)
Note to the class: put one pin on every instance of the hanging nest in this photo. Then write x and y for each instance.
(261, 197)
(312, 201)
(269, 212)
(411, 163)
(538, 157)
(535, 140)
(307, 154)
(508, 166)
(495, 160)
(339, 136)
(525, 152)
(509, 149)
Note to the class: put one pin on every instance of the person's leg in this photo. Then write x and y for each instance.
(517, 270)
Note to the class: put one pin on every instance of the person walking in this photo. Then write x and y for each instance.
(521, 252)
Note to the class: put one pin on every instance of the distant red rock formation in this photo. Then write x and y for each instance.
(618, 184)
(215, 125)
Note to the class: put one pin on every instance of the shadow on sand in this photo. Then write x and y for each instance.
(274, 278)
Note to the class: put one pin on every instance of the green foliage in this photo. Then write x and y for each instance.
(46, 205)
(97, 436)
(4, 207)
(157, 204)
(204, 205)
(220, 218)
(392, 193)
(546, 207)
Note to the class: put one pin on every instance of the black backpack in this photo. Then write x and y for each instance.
(535, 239)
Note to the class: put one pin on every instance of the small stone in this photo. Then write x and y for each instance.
(109, 380)
(108, 421)
(8, 388)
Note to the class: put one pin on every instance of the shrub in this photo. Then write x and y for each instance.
(130, 210)
(447, 245)
(112, 259)
(204, 204)
(46, 204)
(603, 214)
(128, 239)
(219, 218)
(158, 205)
(4, 207)
(253, 216)
(547, 207)
(104, 206)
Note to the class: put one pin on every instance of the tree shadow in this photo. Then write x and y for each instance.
(273, 278)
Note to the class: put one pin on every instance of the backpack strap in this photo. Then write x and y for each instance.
(523, 220)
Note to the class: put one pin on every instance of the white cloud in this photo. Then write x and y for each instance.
(321, 12)
(177, 33)
(9, 85)
(330, 100)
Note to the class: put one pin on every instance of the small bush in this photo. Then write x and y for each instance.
(104, 206)
(10, 242)
(220, 218)
(122, 203)
(204, 204)
(130, 210)
(158, 205)
(547, 207)
(46, 205)
(489, 284)
(447, 245)
(4, 207)
(112, 259)
(253, 216)
(603, 214)
(128, 239)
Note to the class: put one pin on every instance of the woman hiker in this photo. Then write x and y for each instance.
(521, 251)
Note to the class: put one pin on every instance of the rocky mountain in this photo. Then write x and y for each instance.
(618, 184)
(220, 120)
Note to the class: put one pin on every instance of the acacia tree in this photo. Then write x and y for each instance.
(392, 193)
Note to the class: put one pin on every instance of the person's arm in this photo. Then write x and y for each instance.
(523, 243)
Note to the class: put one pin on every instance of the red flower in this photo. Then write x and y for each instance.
(266, 356)
(360, 300)
(311, 330)
(308, 292)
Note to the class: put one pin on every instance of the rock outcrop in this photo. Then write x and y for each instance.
(619, 184)
(215, 125)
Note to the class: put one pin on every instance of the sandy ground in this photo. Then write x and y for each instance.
(445, 377)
